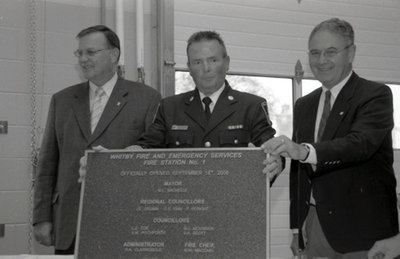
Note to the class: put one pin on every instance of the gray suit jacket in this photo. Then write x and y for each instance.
(129, 112)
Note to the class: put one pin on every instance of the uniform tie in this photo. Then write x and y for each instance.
(325, 115)
(207, 101)
(98, 107)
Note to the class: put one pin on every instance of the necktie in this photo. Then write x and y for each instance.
(98, 107)
(207, 101)
(325, 115)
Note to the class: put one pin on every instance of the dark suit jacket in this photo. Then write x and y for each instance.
(128, 113)
(354, 183)
(237, 119)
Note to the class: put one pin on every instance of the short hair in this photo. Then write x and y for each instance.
(335, 25)
(206, 35)
(111, 36)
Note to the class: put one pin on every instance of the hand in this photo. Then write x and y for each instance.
(273, 166)
(43, 233)
(386, 248)
(134, 148)
(295, 245)
(285, 147)
(83, 163)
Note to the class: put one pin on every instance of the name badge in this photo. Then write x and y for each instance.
(179, 127)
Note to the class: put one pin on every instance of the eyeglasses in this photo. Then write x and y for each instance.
(328, 53)
(89, 53)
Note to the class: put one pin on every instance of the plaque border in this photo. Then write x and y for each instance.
(155, 150)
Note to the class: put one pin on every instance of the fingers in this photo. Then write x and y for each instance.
(276, 146)
(82, 168)
(134, 148)
(377, 251)
(295, 245)
(251, 145)
(273, 166)
(99, 148)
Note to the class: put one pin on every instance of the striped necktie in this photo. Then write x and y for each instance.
(98, 107)
(325, 115)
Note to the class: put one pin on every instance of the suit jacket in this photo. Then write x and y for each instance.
(237, 119)
(128, 113)
(354, 183)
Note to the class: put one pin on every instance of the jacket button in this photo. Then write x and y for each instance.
(207, 144)
(236, 141)
(177, 143)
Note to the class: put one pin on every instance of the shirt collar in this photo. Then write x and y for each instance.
(107, 87)
(335, 90)
(214, 96)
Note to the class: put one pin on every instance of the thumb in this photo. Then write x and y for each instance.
(99, 148)
(251, 145)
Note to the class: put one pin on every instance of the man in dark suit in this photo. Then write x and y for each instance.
(107, 110)
(212, 115)
(342, 184)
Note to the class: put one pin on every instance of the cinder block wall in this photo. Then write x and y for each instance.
(57, 23)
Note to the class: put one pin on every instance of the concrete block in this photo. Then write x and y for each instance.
(15, 76)
(8, 108)
(15, 174)
(70, 18)
(279, 207)
(279, 194)
(60, 48)
(61, 76)
(279, 221)
(15, 207)
(15, 144)
(8, 43)
(281, 251)
(280, 236)
(19, 240)
(15, 240)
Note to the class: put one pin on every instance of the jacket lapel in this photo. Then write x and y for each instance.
(80, 106)
(114, 105)
(194, 108)
(340, 108)
(222, 109)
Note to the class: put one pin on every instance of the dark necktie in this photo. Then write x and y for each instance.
(207, 101)
(325, 115)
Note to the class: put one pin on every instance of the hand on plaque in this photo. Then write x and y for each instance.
(83, 163)
(285, 147)
(134, 148)
(273, 165)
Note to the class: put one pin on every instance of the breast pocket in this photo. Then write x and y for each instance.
(179, 139)
(234, 138)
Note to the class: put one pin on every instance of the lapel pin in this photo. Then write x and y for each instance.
(230, 98)
(191, 99)
(118, 103)
(341, 113)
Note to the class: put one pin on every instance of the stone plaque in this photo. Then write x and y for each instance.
(174, 203)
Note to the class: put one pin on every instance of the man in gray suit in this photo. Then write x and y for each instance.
(107, 110)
